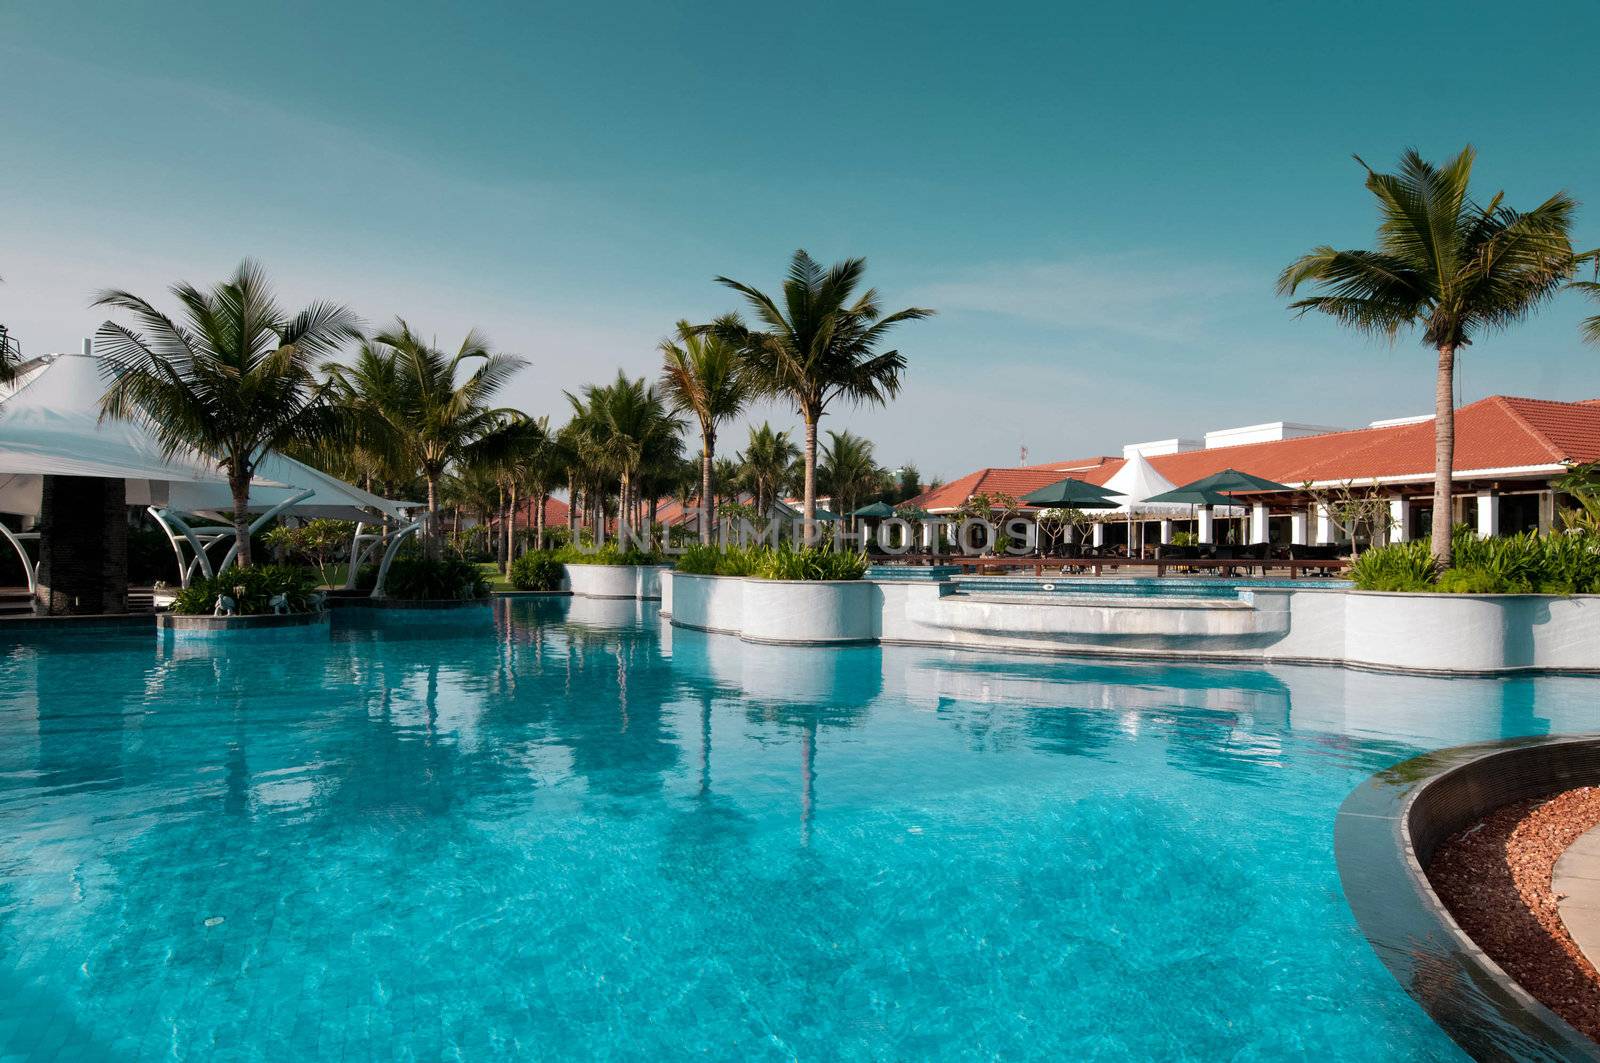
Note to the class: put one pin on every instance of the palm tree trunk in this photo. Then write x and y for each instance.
(240, 486)
(708, 499)
(431, 531)
(538, 520)
(808, 509)
(511, 530)
(572, 510)
(1444, 451)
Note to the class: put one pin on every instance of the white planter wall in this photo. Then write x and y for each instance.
(1393, 632)
(615, 581)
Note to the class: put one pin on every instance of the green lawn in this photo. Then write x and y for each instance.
(492, 571)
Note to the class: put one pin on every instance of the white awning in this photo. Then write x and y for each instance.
(50, 425)
(1137, 481)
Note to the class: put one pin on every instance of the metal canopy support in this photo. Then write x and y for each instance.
(168, 521)
(28, 566)
(259, 523)
(388, 556)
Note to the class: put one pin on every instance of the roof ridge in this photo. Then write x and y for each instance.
(1505, 403)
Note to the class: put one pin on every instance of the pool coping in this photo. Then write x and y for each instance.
(1385, 832)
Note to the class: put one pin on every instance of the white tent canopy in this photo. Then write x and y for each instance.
(50, 425)
(1138, 481)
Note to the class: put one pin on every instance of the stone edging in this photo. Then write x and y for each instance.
(204, 624)
(1385, 834)
(407, 603)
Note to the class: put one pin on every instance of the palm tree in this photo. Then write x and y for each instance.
(848, 472)
(437, 417)
(766, 462)
(702, 373)
(1448, 266)
(237, 379)
(626, 430)
(820, 345)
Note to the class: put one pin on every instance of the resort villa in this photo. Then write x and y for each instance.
(1508, 450)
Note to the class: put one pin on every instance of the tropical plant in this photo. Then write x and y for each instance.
(623, 428)
(1563, 563)
(1582, 483)
(416, 577)
(783, 562)
(1407, 566)
(1445, 265)
(318, 542)
(847, 472)
(433, 413)
(252, 590)
(537, 570)
(820, 345)
(234, 381)
(765, 464)
(703, 374)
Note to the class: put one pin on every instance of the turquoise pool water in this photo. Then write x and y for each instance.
(569, 833)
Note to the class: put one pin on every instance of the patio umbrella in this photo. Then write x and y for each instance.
(1231, 482)
(877, 510)
(1072, 493)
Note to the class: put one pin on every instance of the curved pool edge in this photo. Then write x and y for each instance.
(1386, 830)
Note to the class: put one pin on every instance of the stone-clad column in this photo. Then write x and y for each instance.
(83, 546)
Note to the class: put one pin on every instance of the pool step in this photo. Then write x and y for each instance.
(16, 601)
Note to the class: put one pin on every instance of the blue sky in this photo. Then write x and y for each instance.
(1097, 198)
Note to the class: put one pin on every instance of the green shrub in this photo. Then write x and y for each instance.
(610, 553)
(252, 589)
(1562, 563)
(1475, 579)
(415, 578)
(537, 570)
(766, 562)
(1397, 567)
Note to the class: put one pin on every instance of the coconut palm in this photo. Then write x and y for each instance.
(626, 430)
(435, 412)
(818, 346)
(1446, 265)
(235, 380)
(848, 473)
(765, 463)
(702, 373)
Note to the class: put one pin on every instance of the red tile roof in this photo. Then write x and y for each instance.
(555, 513)
(1499, 432)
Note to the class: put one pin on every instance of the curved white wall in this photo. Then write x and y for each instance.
(758, 610)
(615, 581)
(1399, 632)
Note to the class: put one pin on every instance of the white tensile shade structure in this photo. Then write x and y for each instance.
(1137, 481)
(50, 425)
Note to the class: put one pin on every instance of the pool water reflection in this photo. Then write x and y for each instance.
(574, 832)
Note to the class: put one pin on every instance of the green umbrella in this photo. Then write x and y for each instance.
(878, 510)
(1232, 482)
(1193, 496)
(1071, 493)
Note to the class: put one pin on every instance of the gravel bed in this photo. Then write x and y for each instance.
(1495, 878)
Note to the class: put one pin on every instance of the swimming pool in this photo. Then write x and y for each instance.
(577, 833)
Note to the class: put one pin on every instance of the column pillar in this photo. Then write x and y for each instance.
(83, 546)
(1258, 523)
(1547, 512)
(1297, 527)
(1166, 532)
(1326, 535)
(1488, 514)
(1099, 535)
(1207, 534)
(1399, 519)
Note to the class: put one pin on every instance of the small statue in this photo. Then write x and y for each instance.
(279, 604)
(319, 602)
(225, 606)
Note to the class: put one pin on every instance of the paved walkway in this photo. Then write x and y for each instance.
(1576, 880)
